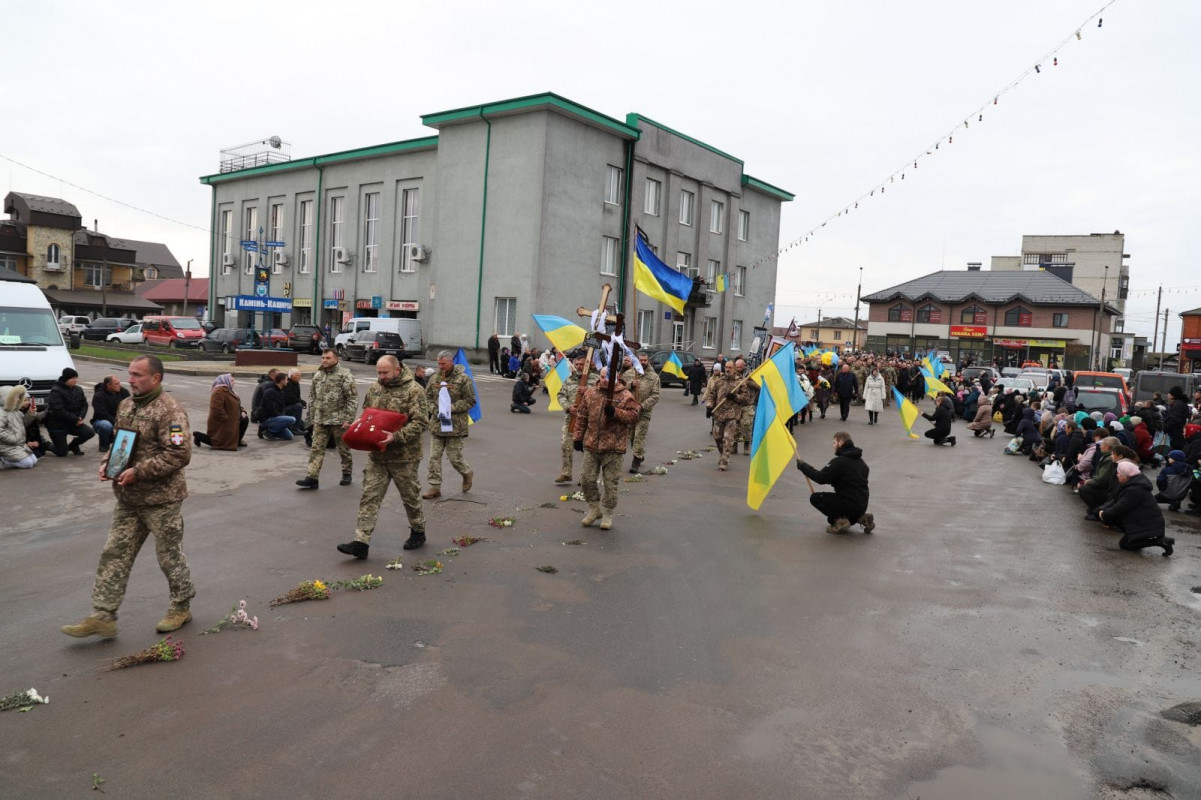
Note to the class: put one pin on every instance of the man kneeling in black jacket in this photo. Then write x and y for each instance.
(847, 473)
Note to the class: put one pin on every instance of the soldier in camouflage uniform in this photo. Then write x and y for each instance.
(332, 401)
(601, 435)
(646, 388)
(150, 492)
(396, 390)
(746, 419)
(726, 400)
(566, 397)
(448, 435)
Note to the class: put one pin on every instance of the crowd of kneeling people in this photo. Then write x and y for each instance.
(1103, 457)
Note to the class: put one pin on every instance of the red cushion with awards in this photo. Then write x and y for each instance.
(372, 430)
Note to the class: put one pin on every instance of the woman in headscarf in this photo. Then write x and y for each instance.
(227, 421)
(981, 424)
(1133, 511)
(15, 452)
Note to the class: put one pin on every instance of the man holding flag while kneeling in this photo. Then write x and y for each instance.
(847, 474)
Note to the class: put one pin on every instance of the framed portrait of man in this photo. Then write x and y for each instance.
(120, 452)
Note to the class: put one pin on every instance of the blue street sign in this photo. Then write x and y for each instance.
(328, 303)
(243, 302)
(273, 244)
(250, 245)
(377, 302)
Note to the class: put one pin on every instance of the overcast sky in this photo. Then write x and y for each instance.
(134, 101)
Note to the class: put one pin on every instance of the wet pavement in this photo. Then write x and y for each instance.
(984, 642)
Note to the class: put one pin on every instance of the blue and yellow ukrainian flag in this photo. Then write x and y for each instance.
(772, 446)
(657, 280)
(473, 416)
(554, 382)
(719, 283)
(673, 366)
(908, 412)
(564, 335)
(778, 376)
(933, 384)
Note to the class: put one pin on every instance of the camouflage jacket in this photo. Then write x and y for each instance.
(462, 400)
(570, 388)
(403, 395)
(646, 387)
(599, 433)
(162, 449)
(332, 396)
(739, 394)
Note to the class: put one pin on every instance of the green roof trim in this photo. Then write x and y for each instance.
(767, 188)
(633, 118)
(532, 103)
(424, 143)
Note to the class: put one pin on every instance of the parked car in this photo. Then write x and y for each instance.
(1101, 380)
(1010, 372)
(131, 335)
(1023, 385)
(99, 329)
(226, 340)
(306, 339)
(69, 324)
(1040, 379)
(972, 373)
(369, 346)
(172, 332)
(659, 358)
(1147, 382)
(275, 337)
(1101, 399)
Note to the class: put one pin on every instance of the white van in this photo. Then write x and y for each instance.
(32, 351)
(409, 330)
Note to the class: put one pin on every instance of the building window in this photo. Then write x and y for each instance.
(838, 336)
(736, 335)
(711, 272)
(370, 231)
(646, 321)
(973, 315)
(306, 236)
(94, 273)
(227, 242)
(252, 234)
(744, 226)
(408, 228)
(1019, 316)
(900, 313)
(337, 211)
(1059, 320)
(929, 313)
(717, 214)
(654, 190)
(684, 264)
(277, 233)
(739, 281)
(1123, 287)
(506, 316)
(709, 340)
(613, 185)
(150, 273)
(8, 262)
(52, 256)
(687, 199)
(610, 247)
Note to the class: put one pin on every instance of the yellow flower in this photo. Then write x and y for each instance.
(318, 585)
(563, 497)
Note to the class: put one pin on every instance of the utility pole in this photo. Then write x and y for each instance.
(1164, 346)
(1101, 322)
(187, 282)
(1155, 336)
(819, 327)
(858, 294)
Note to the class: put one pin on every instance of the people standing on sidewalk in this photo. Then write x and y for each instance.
(696, 380)
(149, 492)
(449, 396)
(494, 354)
(332, 401)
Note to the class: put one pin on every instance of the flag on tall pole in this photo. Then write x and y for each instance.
(564, 335)
(657, 280)
(772, 446)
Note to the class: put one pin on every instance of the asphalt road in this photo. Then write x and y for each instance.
(985, 642)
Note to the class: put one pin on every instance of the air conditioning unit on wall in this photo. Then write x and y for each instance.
(279, 257)
(342, 255)
(418, 253)
(229, 260)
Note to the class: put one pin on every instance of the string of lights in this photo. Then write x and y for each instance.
(948, 138)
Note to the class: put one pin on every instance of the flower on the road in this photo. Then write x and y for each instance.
(23, 700)
(237, 617)
(501, 522)
(167, 649)
(307, 590)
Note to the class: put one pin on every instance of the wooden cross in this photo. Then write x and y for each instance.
(619, 321)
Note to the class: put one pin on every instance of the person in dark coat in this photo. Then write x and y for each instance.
(1098, 490)
(494, 354)
(942, 416)
(256, 401)
(523, 396)
(294, 403)
(66, 409)
(1069, 445)
(1027, 429)
(847, 473)
(1134, 512)
(106, 396)
(515, 348)
(1175, 417)
(846, 388)
(276, 424)
(696, 380)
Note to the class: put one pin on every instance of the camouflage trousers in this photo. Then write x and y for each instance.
(453, 445)
(321, 436)
(601, 466)
(725, 434)
(379, 473)
(638, 436)
(746, 424)
(130, 527)
(565, 445)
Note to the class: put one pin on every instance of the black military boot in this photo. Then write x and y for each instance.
(308, 483)
(416, 539)
(634, 467)
(355, 548)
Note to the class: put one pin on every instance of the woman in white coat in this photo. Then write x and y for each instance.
(873, 395)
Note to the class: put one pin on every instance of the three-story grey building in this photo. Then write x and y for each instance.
(518, 207)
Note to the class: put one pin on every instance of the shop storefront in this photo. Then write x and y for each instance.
(302, 310)
(970, 344)
(1190, 355)
(1015, 352)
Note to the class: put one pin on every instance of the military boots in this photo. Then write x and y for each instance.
(98, 624)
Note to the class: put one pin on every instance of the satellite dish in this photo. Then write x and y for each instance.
(275, 142)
